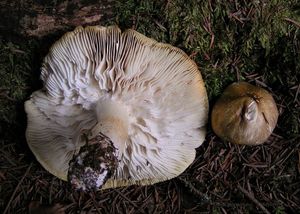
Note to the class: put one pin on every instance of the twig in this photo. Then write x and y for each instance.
(193, 189)
(293, 22)
(95, 203)
(254, 200)
(299, 161)
(297, 92)
(16, 189)
(121, 194)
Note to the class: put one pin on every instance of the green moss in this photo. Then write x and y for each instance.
(14, 71)
(18, 78)
(146, 16)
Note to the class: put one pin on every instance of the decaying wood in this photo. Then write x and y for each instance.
(40, 18)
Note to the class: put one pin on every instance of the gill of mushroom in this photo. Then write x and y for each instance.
(117, 109)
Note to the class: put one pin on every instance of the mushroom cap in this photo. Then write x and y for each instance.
(147, 97)
(244, 114)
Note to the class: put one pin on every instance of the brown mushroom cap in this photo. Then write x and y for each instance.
(244, 114)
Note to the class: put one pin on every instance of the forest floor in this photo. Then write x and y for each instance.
(255, 41)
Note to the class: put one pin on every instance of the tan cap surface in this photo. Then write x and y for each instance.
(244, 114)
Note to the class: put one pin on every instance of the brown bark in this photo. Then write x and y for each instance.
(40, 18)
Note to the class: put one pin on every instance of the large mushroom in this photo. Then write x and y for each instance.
(116, 109)
(244, 114)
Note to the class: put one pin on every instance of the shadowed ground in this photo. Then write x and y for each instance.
(257, 42)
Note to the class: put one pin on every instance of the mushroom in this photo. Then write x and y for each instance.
(244, 114)
(116, 109)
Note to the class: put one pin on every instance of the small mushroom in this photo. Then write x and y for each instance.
(244, 114)
(116, 109)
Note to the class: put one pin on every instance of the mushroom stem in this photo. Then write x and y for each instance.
(112, 122)
(250, 110)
